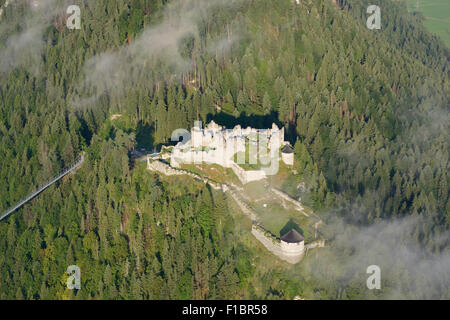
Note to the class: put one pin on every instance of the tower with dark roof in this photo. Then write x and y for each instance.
(287, 155)
(292, 236)
(292, 243)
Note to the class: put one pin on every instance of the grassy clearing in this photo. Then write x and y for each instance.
(275, 218)
(269, 271)
(437, 16)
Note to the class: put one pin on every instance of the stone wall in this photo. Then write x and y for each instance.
(246, 176)
(269, 243)
(167, 170)
(162, 168)
(275, 247)
(213, 157)
(292, 249)
(316, 244)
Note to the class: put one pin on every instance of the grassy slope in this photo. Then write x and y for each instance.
(437, 16)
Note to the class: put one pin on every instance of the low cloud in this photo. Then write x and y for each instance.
(407, 270)
(155, 50)
(24, 48)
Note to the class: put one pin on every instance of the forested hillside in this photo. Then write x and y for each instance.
(367, 110)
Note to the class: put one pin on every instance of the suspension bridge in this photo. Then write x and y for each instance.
(24, 200)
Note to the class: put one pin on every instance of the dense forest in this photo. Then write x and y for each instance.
(367, 111)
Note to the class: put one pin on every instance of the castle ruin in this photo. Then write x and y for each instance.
(229, 148)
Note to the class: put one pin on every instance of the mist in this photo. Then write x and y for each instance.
(408, 270)
(24, 48)
(155, 50)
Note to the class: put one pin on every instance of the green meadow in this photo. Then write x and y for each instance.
(437, 16)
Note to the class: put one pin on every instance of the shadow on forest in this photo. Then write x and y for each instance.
(253, 120)
(145, 132)
(244, 120)
(290, 225)
(144, 135)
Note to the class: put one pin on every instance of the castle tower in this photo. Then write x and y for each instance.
(292, 244)
(197, 135)
(287, 155)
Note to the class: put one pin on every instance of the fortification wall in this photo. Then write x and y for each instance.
(316, 244)
(169, 171)
(270, 244)
(275, 247)
(254, 175)
(163, 168)
(292, 249)
(210, 157)
(247, 176)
